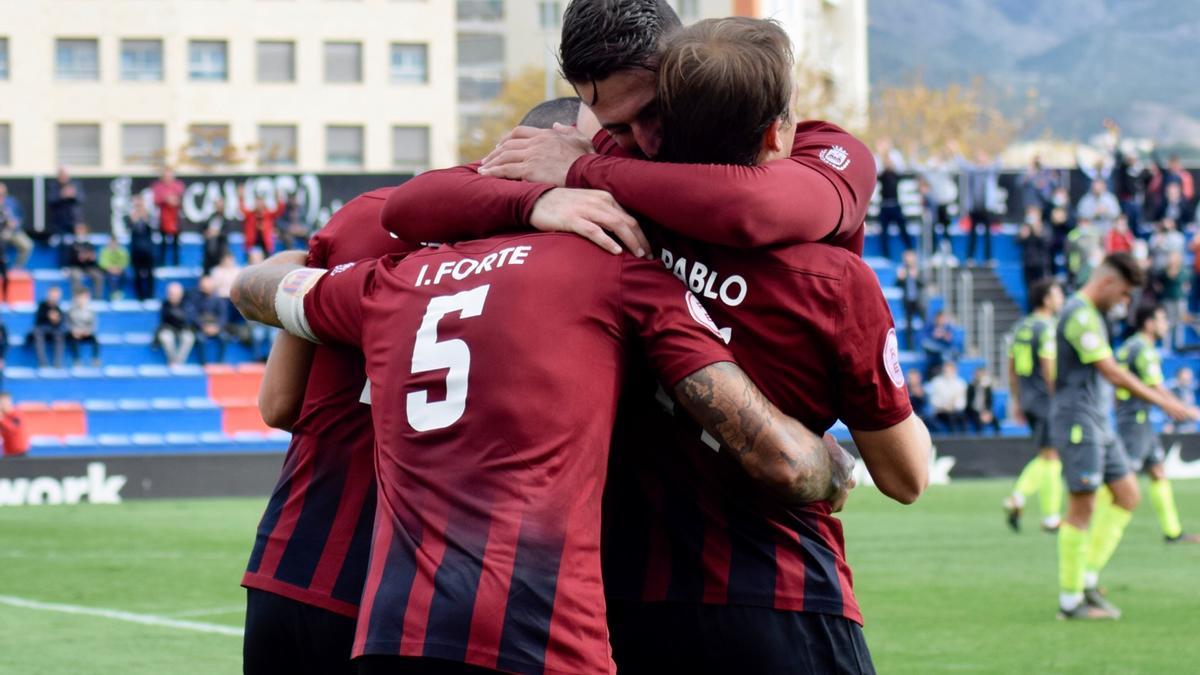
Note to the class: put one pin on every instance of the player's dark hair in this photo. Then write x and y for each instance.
(559, 110)
(1039, 291)
(1127, 267)
(722, 83)
(601, 37)
(1145, 312)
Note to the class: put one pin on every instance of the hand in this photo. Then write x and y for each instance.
(842, 477)
(1181, 412)
(590, 214)
(1019, 417)
(537, 155)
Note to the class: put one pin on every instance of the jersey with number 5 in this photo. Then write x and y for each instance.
(495, 367)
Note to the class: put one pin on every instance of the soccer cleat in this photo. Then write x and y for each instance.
(1086, 612)
(1183, 538)
(1013, 513)
(1051, 526)
(1094, 598)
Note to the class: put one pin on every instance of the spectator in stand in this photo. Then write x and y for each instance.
(81, 326)
(3, 351)
(1099, 205)
(938, 173)
(84, 261)
(216, 239)
(1119, 238)
(1175, 174)
(1173, 284)
(1061, 222)
(259, 225)
(1174, 207)
(168, 195)
(1035, 247)
(48, 323)
(1130, 179)
(948, 399)
(223, 276)
(911, 283)
(942, 342)
(917, 395)
(1037, 186)
(889, 163)
(980, 404)
(141, 249)
(11, 232)
(12, 428)
(174, 329)
(1167, 240)
(294, 231)
(114, 262)
(208, 315)
(1184, 388)
(64, 208)
(980, 199)
(1083, 251)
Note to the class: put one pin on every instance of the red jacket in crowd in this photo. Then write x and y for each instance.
(168, 195)
(14, 435)
(261, 219)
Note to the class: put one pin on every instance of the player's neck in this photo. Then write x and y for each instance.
(1043, 313)
(1150, 339)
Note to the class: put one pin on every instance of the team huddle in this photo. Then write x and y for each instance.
(1062, 371)
(571, 440)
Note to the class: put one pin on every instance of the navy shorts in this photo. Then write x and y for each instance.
(1142, 445)
(284, 637)
(662, 637)
(1090, 457)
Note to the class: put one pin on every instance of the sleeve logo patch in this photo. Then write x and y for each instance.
(1090, 341)
(836, 156)
(700, 314)
(340, 268)
(891, 359)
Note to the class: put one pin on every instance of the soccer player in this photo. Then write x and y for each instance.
(1139, 355)
(819, 191)
(1092, 456)
(499, 363)
(1031, 385)
(704, 576)
(309, 562)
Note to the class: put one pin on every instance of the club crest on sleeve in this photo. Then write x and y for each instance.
(340, 268)
(700, 314)
(891, 359)
(836, 156)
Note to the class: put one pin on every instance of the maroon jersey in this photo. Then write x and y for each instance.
(809, 324)
(314, 540)
(499, 364)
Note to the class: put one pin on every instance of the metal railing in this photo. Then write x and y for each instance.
(964, 308)
(987, 337)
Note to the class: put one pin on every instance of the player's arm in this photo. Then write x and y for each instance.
(774, 449)
(1159, 396)
(897, 457)
(256, 288)
(1014, 389)
(284, 380)
(1049, 372)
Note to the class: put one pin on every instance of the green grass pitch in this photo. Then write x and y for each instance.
(944, 585)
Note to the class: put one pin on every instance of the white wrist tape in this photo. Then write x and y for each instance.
(289, 301)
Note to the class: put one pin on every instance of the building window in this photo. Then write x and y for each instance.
(343, 62)
(410, 63)
(143, 144)
(550, 14)
(410, 148)
(276, 61)
(76, 60)
(208, 144)
(208, 60)
(277, 145)
(79, 144)
(480, 49)
(480, 10)
(3, 58)
(344, 146)
(473, 89)
(142, 60)
(5, 145)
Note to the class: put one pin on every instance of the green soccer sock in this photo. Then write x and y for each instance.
(1108, 525)
(1072, 549)
(1051, 490)
(1163, 499)
(1030, 478)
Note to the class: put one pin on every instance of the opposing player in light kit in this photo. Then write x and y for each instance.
(1031, 382)
(499, 361)
(1092, 455)
(1139, 354)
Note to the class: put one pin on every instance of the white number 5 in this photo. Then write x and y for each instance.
(429, 354)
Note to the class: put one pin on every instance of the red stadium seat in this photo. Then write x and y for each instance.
(61, 418)
(243, 415)
(225, 383)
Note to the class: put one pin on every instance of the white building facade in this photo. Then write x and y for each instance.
(118, 86)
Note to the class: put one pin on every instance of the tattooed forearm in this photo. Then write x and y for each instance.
(254, 291)
(773, 448)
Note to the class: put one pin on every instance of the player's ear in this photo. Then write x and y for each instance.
(772, 143)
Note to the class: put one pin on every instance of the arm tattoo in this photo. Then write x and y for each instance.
(770, 446)
(254, 292)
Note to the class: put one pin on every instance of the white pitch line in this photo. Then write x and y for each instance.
(118, 615)
(228, 609)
